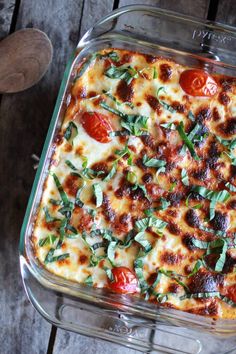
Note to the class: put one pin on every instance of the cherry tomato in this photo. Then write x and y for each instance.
(97, 126)
(124, 282)
(231, 292)
(196, 82)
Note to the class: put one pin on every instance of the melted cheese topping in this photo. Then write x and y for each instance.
(63, 236)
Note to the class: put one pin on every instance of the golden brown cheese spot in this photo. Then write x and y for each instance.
(154, 191)
(124, 91)
(100, 167)
(227, 128)
(150, 59)
(192, 219)
(179, 107)
(171, 258)
(215, 114)
(174, 288)
(227, 83)
(224, 98)
(59, 139)
(64, 262)
(147, 178)
(148, 141)
(49, 225)
(209, 309)
(230, 263)
(220, 221)
(203, 114)
(200, 173)
(175, 198)
(204, 281)
(173, 228)
(232, 204)
(71, 185)
(68, 147)
(83, 259)
(79, 150)
(154, 103)
(123, 223)
(108, 212)
(187, 241)
(165, 72)
(85, 221)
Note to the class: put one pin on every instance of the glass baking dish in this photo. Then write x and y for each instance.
(95, 312)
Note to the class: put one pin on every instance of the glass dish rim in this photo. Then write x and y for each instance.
(40, 274)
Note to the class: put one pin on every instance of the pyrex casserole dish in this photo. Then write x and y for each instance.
(61, 301)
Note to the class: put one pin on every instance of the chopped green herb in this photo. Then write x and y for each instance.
(70, 164)
(50, 258)
(123, 73)
(164, 104)
(153, 162)
(184, 177)
(48, 217)
(143, 241)
(98, 194)
(151, 221)
(131, 177)
(109, 273)
(175, 277)
(89, 281)
(49, 240)
(164, 205)
(111, 173)
(201, 295)
(154, 73)
(213, 196)
(230, 186)
(170, 126)
(71, 132)
(228, 301)
(172, 187)
(111, 251)
(191, 116)
(61, 191)
(196, 267)
(187, 141)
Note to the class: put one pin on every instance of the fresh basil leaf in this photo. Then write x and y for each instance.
(119, 133)
(228, 301)
(184, 177)
(123, 73)
(131, 177)
(164, 104)
(213, 196)
(154, 73)
(196, 267)
(89, 281)
(138, 268)
(191, 116)
(230, 186)
(70, 164)
(109, 274)
(111, 173)
(151, 221)
(170, 126)
(143, 188)
(67, 210)
(48, 217)
(78, 201)
(203, 245)
(134, 123)
(111, 251)
(153, 162)
(201, 295)
(171, 274)
(50, 258)
(111, 55)
(172, 187)
(143, 242)
(71, 132)
(97, 245)
(212, 231)
(187, 141)
(222, 257)
(117, 102)
(49, 240)
(61, 191)
(55, 202)
(164, 205)
(97, 189)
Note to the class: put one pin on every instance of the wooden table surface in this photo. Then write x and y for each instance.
(24, 120)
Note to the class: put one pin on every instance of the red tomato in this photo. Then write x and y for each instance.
(196, 82)
(97, 126)
(125, 281)
(231, 292)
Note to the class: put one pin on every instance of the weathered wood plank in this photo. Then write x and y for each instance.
(227, 12)
(198, 8)
(24, 120)
(6, 12)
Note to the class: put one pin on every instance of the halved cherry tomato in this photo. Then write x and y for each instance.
(97, 126)
(231, 292)
(196, 82)
(124, 282)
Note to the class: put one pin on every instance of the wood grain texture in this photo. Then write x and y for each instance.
(24, 119)
(197, 8)
(227, 12)
(25, 57)
(6, 13)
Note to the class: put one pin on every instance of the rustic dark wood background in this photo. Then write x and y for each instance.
(24, 120)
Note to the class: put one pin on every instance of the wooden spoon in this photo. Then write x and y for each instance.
(25, 56)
